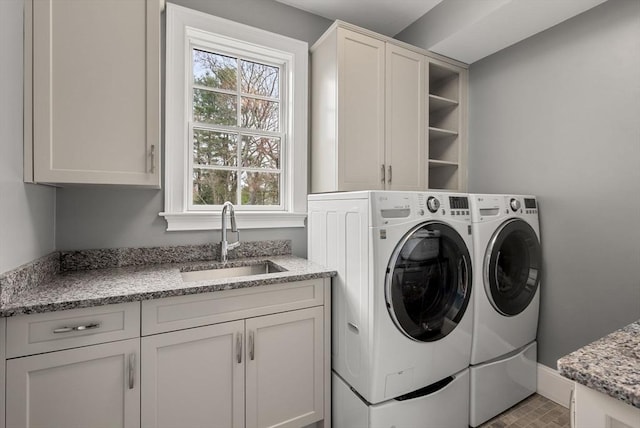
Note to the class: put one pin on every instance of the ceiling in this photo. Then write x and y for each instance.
(465, 30)
(388, 17)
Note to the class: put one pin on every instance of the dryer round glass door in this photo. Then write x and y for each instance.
(512, 267)
(428, 282)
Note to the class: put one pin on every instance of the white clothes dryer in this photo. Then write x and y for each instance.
(508, 263)
(401, 305)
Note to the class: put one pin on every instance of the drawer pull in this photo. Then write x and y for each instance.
(77, 328)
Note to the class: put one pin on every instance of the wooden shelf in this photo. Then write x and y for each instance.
(435, 163)
(439, 103)
(437, 133)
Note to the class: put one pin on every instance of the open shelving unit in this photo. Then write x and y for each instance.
(446, 151)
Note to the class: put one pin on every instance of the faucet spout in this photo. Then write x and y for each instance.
(225, 246)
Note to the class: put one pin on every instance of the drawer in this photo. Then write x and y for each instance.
(177, 313)
(53, 331)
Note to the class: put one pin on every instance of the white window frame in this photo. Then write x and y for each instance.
(187, 28)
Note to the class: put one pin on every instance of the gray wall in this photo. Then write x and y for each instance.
(109, 218)
(27, 212)
(558, 116)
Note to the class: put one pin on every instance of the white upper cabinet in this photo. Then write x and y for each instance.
(405, 152)
(92, 92)
(370, 112)
(360, 114)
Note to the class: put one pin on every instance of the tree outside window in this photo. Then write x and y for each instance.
(236, 134)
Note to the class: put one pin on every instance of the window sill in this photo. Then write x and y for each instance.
(245, 220)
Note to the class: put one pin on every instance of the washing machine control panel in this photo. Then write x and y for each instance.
(433, 204)
(399, 207)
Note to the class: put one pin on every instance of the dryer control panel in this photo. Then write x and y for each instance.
(490, 207)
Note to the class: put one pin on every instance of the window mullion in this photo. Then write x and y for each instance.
(239, 146)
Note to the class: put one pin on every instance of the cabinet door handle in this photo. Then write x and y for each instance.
(90, 326)
(152, 154)
(382, 173)
(572, 409)
(239, 348)
(132, 370)
(251, 346)
(389, 174)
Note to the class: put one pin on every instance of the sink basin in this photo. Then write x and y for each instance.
(229, 272)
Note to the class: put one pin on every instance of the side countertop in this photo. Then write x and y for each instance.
(22, 294)
(610, 365)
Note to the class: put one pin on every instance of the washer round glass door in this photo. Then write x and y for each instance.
(512, 267)
(428, 282)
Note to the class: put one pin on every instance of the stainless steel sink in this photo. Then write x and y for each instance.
(229, 272)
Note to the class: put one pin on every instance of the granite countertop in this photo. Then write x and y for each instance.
(68, 280)
(610, 365)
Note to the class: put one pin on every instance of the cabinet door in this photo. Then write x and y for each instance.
(361, 111)
(405, 145)
(194, 378)
(96, 91)
(95, 386)
(284, 385)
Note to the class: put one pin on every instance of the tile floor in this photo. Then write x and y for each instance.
(534, 412)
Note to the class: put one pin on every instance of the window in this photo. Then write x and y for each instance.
(235, 124)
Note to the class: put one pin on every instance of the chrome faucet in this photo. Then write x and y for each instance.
(224, 245)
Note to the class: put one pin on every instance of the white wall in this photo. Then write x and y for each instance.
(27, 212)
(109, 218)
(558, 116)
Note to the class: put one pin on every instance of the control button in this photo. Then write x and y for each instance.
(514, 204)
(433, 204)
(420, 212)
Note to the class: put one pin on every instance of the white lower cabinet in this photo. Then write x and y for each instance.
(596, 409)
(284, 369)
(94, 386)
(248, 357)
(194, 377)
(266, 371)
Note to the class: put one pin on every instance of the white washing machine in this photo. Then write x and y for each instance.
(402, 313)
(508, 263)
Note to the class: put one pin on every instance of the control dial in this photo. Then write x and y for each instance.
(515, 204)
(433, 204)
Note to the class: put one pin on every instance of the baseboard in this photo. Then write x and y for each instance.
(554, 386)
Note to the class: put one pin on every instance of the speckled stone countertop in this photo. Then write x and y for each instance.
(610, 365)
(68, 280)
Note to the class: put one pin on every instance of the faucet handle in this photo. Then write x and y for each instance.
(237, 243)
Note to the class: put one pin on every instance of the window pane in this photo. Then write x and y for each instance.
(214, 71)
(260, 152)
(214, 108)
(260, 79)
(260, 188)
(214, 187)
(214, 148)
(260, 114)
